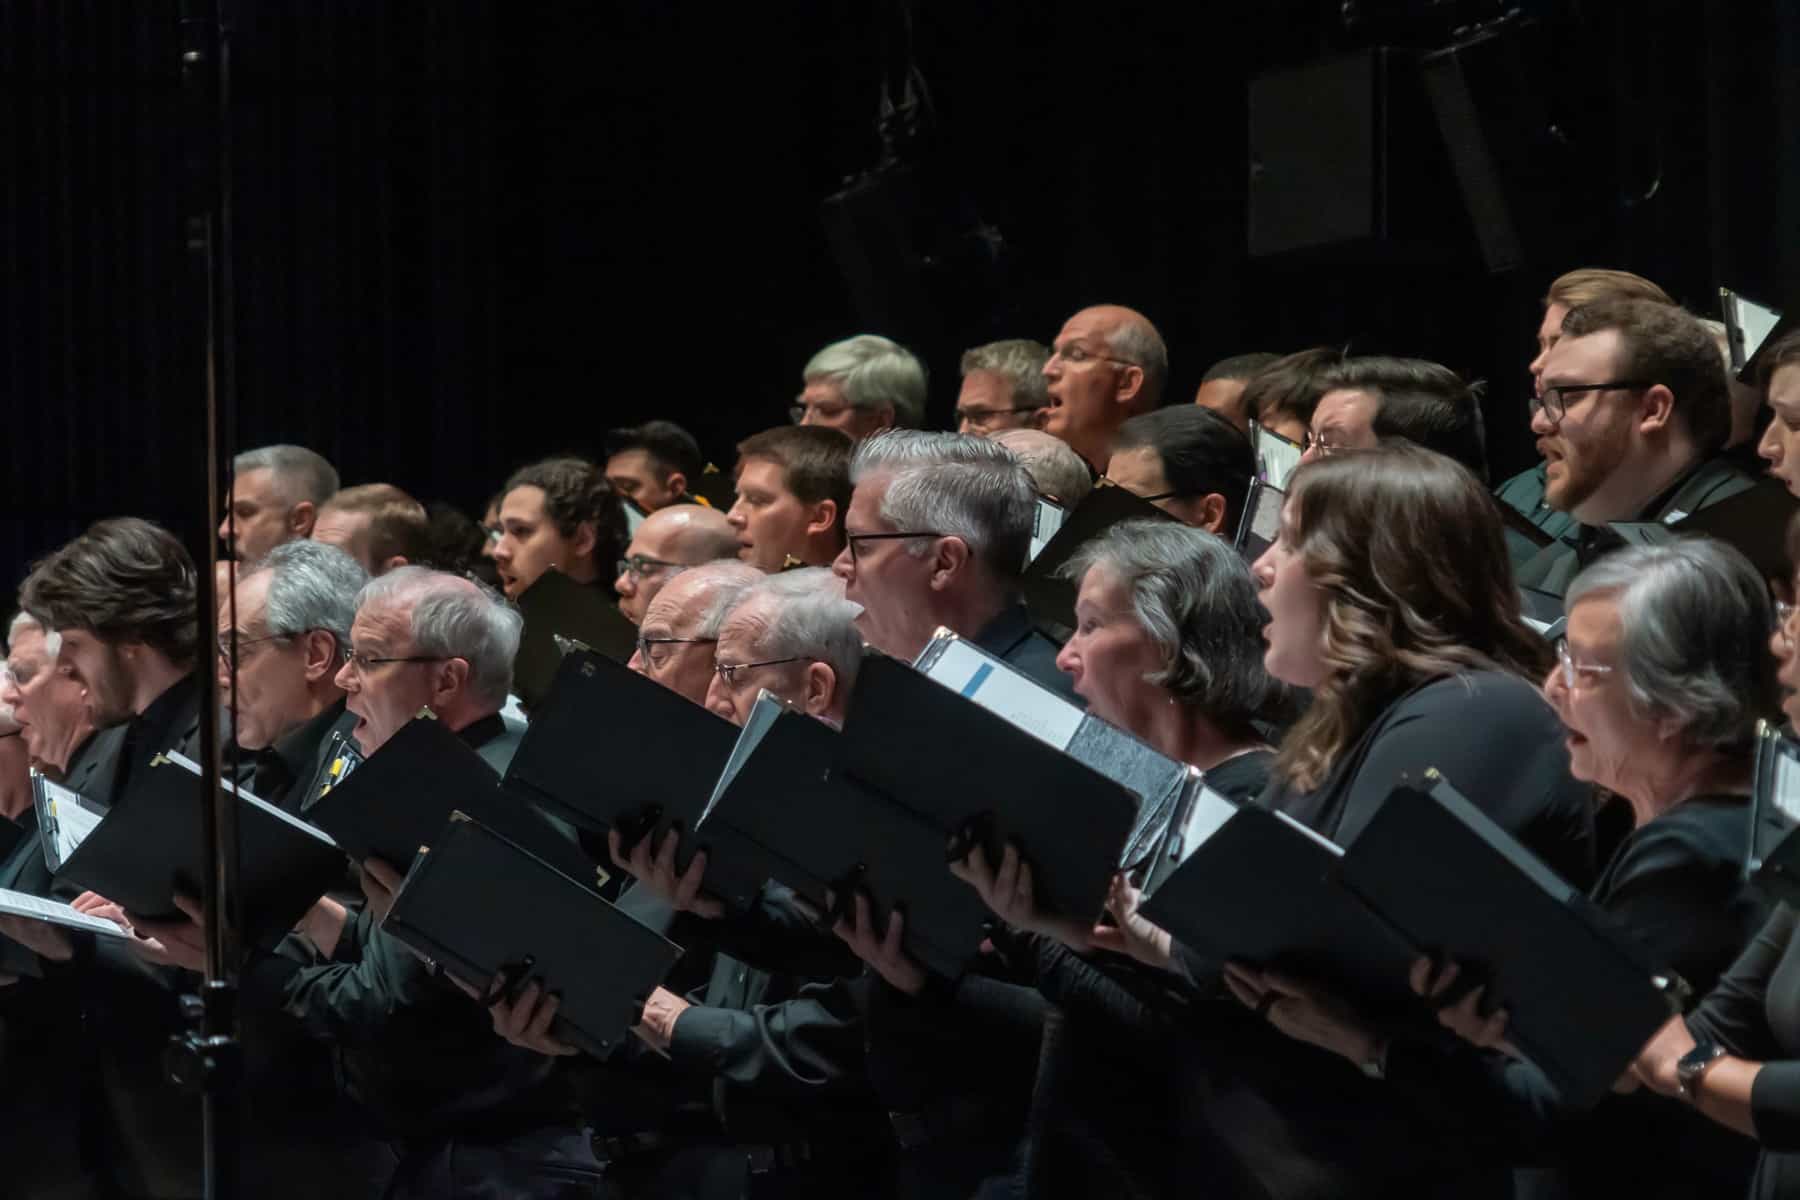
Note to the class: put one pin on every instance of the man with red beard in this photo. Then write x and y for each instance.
(1630, 417)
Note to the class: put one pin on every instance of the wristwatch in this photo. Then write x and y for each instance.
(1693, 1065)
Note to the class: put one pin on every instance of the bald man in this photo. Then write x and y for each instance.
(669, 541)
(1108, 364)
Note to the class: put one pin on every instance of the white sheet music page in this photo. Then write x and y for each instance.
(1002, 691)
(32, 908)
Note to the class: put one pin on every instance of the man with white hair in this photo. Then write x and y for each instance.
(1108, 364)
(860, 385)
(430, 639)
(1003, 387)
(669, 541)
(292, 613)
(681, 626)
(936, 535)
(794, 636)
(1056, 471)
(275, 496)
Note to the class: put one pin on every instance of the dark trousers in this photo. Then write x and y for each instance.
(557, 1163)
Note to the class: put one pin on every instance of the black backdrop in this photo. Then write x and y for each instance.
(471, 232)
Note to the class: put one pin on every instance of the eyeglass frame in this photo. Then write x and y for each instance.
(1086, 356)
(1556, 412)
(798, 409)
(362, 662)
(728, 671)
(981, 416)
(850, 539)
(1571, 669)
(627, 566)
(644, 644)
(1314, 441)
(231, 649)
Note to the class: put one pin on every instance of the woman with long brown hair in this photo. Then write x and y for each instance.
(1391, 598)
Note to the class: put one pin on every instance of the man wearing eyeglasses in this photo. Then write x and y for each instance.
(860, 385)
(1630, 417)
(292, 622)
(1108, 364)
(668, 542)
(942, 543)
(793, 636)
(1188, 461)
(681, 626)
(1368, 399)
(1003, 388)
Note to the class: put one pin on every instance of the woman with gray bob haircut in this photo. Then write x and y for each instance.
(1658, 684)
(1168, 646)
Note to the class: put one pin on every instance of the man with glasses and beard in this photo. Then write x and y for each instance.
(1630, 417)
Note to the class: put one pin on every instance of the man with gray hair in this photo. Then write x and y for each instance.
(1109, 364)
(281, 641)
(426, 639)
(794, 636)
(1003, 387)
(275, 496)
(862, 384)
(681, 626)
(942, 543)
(1056, 471)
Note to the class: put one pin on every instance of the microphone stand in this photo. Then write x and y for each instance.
(208, 1057)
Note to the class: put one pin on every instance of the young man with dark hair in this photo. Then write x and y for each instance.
(793, 488)
(653, 465)
(1365, 400)
(1222, 387)
(1188, 461)
(558, 513)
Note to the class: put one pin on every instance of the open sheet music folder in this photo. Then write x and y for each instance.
(609, 747)
(1276, 456)
(781, 813)
(556, 606)
(1157, 780)
(1581, 1000)
(401, 796)
(480, 905)
(1241, 882)
(1260, 523)
(1772, 859)
(151, 846)
(1753, 521)
(908, 737)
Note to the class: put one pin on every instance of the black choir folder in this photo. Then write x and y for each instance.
(1049, 596)
(780, 812)
(149, 846)
(481, 907)
(1430, 874)
(556, 606)
(1772, 861)
(609, 747)
(399, 798)
(974, 775)
(1753, 521)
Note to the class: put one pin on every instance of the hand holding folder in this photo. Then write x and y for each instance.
(484, 909)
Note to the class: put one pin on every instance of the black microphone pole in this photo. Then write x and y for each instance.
(208, 1057)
